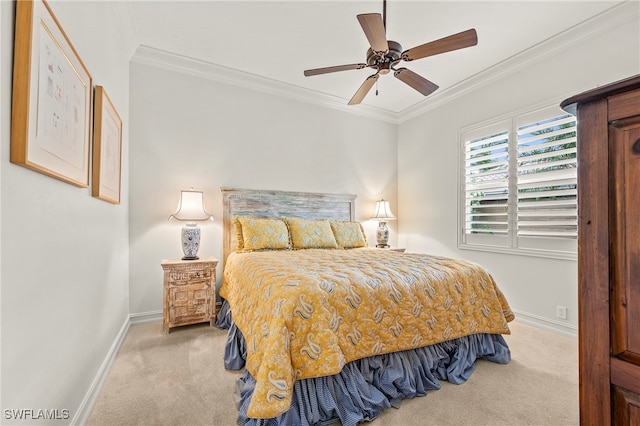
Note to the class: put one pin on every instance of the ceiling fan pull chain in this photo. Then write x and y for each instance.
(376, 87)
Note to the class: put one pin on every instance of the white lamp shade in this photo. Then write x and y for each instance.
(191, 207)
(383, 211)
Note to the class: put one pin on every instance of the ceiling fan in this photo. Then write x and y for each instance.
(384, 55)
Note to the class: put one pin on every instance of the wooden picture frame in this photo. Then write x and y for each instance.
(52, 98)
(107, 149)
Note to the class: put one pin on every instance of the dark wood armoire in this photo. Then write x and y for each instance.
(609, 252)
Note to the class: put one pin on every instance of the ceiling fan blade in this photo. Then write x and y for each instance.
(373, 28)
(416, 81)
(364, 89)
(326, 70)
(453, 42)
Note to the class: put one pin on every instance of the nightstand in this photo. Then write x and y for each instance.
(400, 250)
(189, 292)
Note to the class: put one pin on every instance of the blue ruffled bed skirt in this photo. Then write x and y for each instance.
(365, 387)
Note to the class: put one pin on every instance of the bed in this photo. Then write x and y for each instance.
(327, 329)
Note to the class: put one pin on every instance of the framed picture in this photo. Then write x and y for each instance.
(107, 149)
(52, 98)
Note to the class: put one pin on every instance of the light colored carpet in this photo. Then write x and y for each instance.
(179, 379)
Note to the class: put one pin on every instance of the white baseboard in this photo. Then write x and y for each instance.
(559, 327)
(145, 317)
(83, 412)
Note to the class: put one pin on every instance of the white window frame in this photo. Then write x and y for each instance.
(511, 243)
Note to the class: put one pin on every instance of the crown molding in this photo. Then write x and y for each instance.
(616, 16)
(620, 14)
(171, 61)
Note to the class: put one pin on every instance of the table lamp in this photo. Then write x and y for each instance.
(382, 214)
(191, 210)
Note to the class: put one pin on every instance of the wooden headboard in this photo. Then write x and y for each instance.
(260, 203)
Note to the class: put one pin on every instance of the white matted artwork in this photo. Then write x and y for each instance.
(52, 98)
(107, 149)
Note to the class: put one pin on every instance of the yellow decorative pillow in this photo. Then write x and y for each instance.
(349, 234)
(311, 233)
(264, 234)
(238, 227)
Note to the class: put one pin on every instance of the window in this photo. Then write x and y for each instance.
(519, 185)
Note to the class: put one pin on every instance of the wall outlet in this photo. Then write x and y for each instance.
(561, 312)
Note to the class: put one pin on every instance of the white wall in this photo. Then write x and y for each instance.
(5, 105)
(64, 254)
(428, 161)
(194, 131)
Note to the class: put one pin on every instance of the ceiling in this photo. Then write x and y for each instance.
(278, 40)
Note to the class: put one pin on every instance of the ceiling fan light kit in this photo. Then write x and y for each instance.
(384, 55)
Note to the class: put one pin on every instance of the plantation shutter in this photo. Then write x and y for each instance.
(486, 184)
(547, 177)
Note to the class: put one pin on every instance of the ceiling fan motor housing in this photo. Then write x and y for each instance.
(384, 61)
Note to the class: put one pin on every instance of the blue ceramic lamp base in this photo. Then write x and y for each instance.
(190, 242)
(382, 235)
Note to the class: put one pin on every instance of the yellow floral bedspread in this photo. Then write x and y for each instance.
(306, 313)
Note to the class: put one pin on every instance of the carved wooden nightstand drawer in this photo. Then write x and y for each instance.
(184, 277)
(189, 292)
